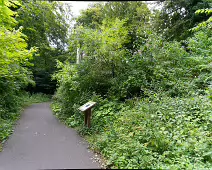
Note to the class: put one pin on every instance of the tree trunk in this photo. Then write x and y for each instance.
(113, 69)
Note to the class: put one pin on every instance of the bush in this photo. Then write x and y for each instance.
(161, 133)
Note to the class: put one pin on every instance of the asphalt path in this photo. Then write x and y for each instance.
(40, 141)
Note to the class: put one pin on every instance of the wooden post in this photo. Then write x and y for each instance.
(89, 118)
(78, 55)
(86, 117)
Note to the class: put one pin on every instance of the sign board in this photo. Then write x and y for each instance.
(87, 106)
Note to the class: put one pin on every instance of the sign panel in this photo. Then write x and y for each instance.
(87, 106)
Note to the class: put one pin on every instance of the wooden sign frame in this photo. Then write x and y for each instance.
(86, 108)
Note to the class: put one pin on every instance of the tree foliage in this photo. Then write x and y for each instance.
(46, 29)
(91, 17)
(14, 54)
(177, 17)
(136, 14)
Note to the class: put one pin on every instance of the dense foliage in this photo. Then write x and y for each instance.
(46, 28)
(153, 95)
(177, 17)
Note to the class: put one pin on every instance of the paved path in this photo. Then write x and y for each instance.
(40, 141)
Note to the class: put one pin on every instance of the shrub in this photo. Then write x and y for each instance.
(162, 133)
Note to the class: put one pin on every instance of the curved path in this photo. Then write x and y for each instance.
(40, 141)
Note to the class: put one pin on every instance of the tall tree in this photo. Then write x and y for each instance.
(136, 14)
(92, 17)
(46, 28)
(177, 17)
(14, 58)
(138, 22)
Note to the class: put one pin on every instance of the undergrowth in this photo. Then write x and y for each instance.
(156, 132)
